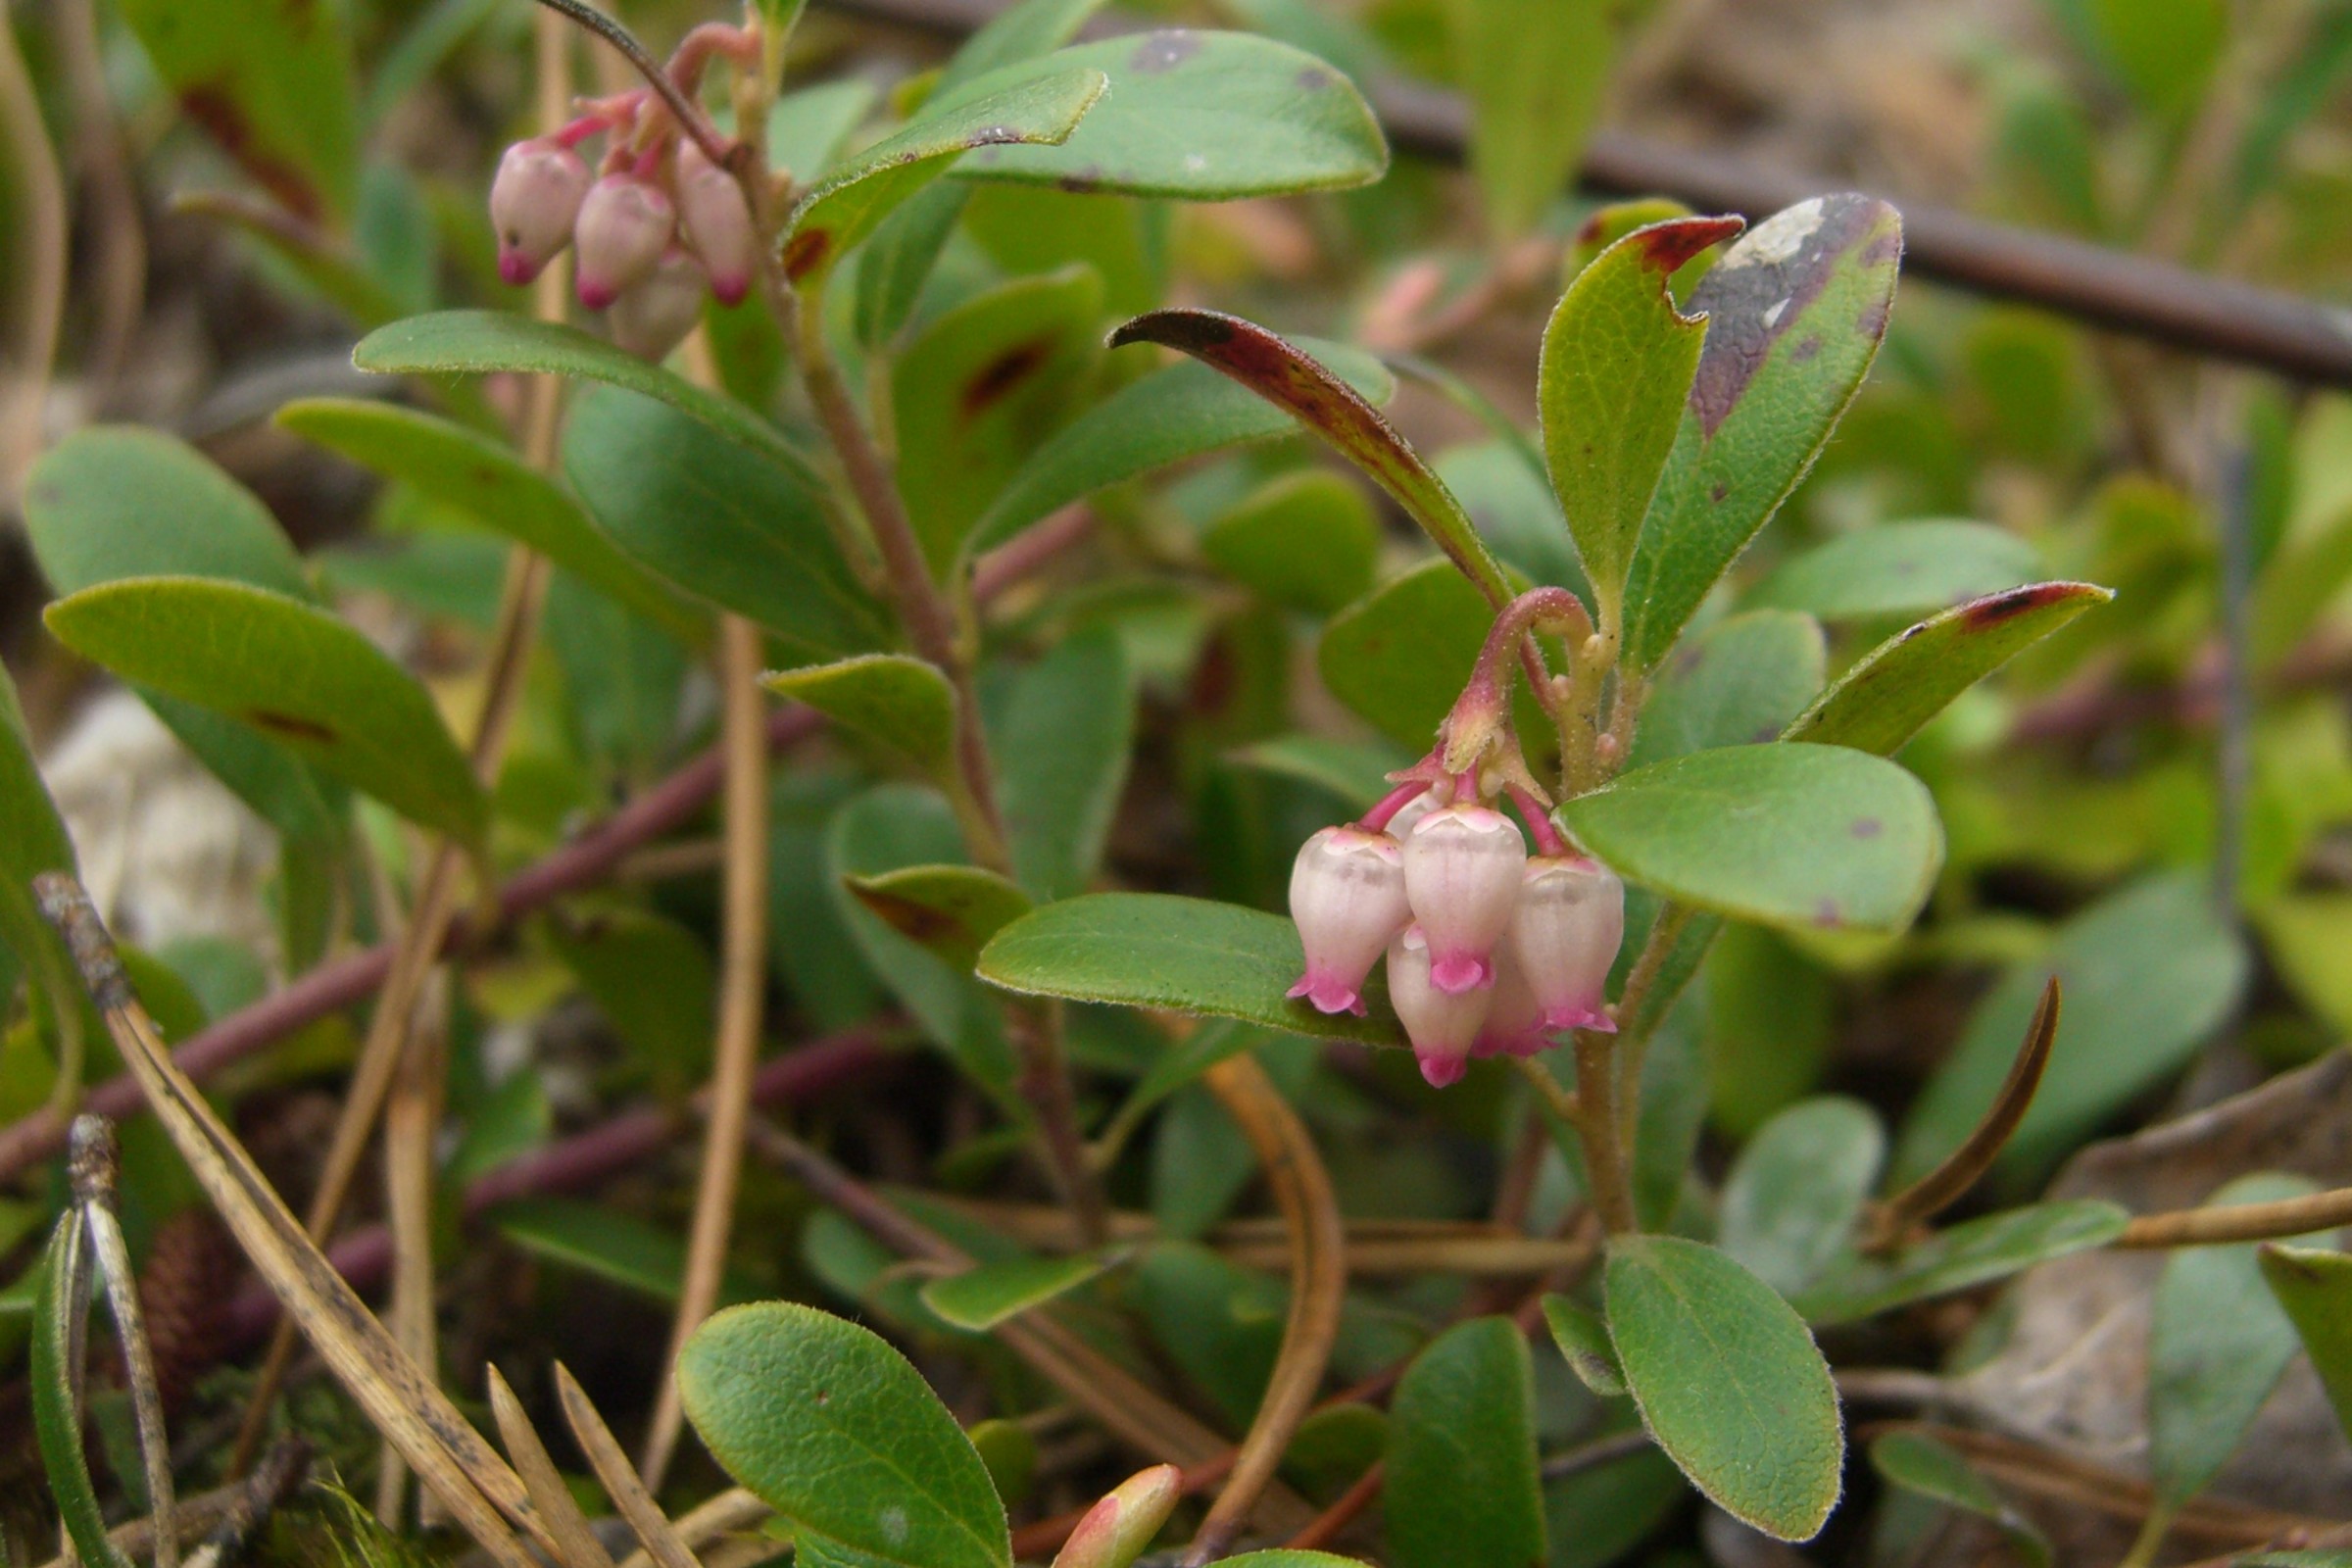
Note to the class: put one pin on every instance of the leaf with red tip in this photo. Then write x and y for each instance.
(1795, 312)
(1280, 373)
(1881, 703)
(1618, 361)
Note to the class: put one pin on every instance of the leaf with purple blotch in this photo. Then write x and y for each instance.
(1881, 703)
(1284, 376)
(1795, 312)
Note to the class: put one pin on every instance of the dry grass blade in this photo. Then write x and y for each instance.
(620, 1480)
(1319, 1246)
(549, 1494)
(1933, 1193)
(93, 1166)
(452, 1458)
(731, 1511)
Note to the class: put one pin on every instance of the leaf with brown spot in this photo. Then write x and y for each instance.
(1618, 361)
(982, 387)
(858, 192)
(1760, 410)
(301, 674)
(1287, 377)
(951, 909)
(267, 84)
(1881, 703)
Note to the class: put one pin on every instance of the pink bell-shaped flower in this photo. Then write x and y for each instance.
(1515, 1025)
(654, 314)
(717, 224)
(1347, 895)
(1565, 936)
(533, 203)
(626, 226)
(1443, 1025)
(1461, 876)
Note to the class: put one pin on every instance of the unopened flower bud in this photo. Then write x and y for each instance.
(1515, 1025)
(1565, 936)
(717, 224)
(533, 203)
(1462, 877)
(625, 225)
(1347, 895)
(1117, 1530)
(1443, 1025)
(655, 314)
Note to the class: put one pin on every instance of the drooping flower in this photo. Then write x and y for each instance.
(1565, 934)
(1461, 876)
(1409, 815)
(1515, 1025)
(717, 224)
(654, 314)
(624, 228)
(533, 204)
(1348, 897)
(1443, 1025)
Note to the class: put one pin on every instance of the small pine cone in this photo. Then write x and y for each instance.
(184, 1290)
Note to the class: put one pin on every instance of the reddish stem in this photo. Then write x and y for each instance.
(1539, 821)
(1396, 799)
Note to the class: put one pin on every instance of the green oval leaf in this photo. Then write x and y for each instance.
(1061, 732)
(1462, 1490)
(1616, 369)
(2149, 972)
(1155, 950)
(482, 478)
(1917, 1462)
(1806, 837)
(1306, 540)
(894, 700)
(720, 521)
(1971, 1254)
(857, 193)
(979, 1299)
(1795, 312)
(294, 673)
(1399, 655)
(1792, 1195)
(839, 1434)
(1583, 1340)
(480, 342)
(1740, 681)
(1200, 117)
(1908, 679)
(1728, 1382)
(1899, 569)
(2315, 1286)
(1293, 380)
(1179, 412)
(2217, 1344)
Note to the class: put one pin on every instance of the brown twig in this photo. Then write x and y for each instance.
(1344, 1511)
(742, 975)
(2218, 1225)
(1960, 1170)
(1318, 1247)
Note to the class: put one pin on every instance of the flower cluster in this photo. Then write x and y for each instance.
(1489, 951)
(658, 224)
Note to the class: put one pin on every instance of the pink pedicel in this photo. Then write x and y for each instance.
(717, 224)
(1462, 877)
(1565, 934)
(654, 314)
(1409, 815)
(533, 203)
(1443, 1026)
(1515, 1025)
(625, 229)
(1347, 898)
